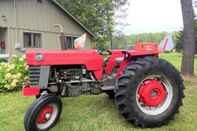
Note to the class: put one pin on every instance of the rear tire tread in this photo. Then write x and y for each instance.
(141, 65)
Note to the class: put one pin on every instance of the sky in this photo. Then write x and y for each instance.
(152, 16)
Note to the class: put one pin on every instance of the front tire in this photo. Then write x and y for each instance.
(43, 113)
(150, 92)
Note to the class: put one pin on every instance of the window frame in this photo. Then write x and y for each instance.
(72, 41)
(32, 39)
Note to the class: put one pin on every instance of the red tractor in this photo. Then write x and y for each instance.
(147, 90)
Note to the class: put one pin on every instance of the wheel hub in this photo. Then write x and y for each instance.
(152, 93)
(45, 114)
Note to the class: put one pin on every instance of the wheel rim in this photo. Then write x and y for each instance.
(47, 116)
(154, 95)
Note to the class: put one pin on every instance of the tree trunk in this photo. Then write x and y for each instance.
(187, 67)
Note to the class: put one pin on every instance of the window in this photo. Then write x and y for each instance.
(39, 1)
(69, 42)
(2, 47)
(32, 40)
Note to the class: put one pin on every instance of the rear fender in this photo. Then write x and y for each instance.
(122, 67)
(129, 58)
(111, 63)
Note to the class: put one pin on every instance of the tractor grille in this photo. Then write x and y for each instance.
(34, 75)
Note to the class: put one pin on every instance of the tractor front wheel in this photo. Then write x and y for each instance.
(43, 113)
(150, 92)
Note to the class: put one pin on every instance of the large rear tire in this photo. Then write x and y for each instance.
(150, 92)
(43, 113)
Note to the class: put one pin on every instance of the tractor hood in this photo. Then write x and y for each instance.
(43, 57)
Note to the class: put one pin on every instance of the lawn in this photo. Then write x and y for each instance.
(97, 113)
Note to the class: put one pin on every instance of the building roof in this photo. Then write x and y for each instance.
(72, 17)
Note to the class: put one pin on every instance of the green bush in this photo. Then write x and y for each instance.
(13, 74)
(3, 60)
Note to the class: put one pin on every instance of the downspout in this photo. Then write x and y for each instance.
(8, 41)
(16, 31)
(62, 38)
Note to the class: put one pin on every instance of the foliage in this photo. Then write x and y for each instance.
(3, 60)
(127, 41)
(96, 15)
(179, 37)
(12, 74)
(152, 37)
(179, 42)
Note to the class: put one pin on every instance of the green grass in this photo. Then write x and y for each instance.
(97, 113)
(175, 59)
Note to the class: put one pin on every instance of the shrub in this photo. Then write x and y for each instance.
(13, 74)
(3, 60)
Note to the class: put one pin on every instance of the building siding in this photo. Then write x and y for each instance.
(31, 16)
(6, 13)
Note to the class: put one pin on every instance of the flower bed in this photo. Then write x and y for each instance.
(13, 74)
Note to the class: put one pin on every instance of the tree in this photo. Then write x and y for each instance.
(96, 15)
(178, 37)
(187, 67)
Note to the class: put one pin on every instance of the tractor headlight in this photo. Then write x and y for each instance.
(39, 57)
